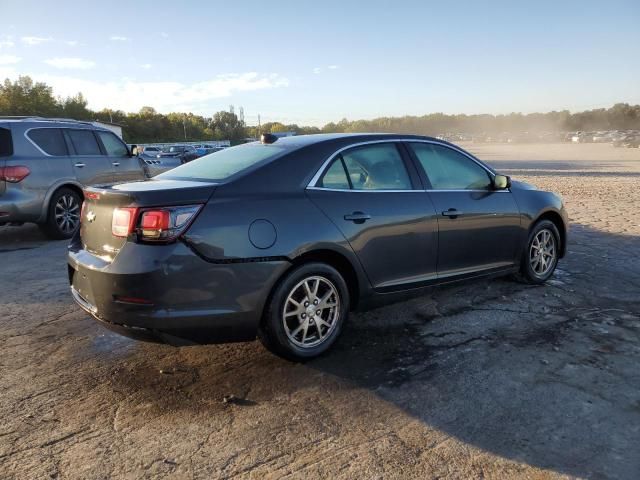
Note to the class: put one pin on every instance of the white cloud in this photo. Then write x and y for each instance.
(35, 40)
(164, 35)
(130, 95)
(146, 66)
(333, 67)
(71, 43)
(118, 38)
(9, 59)
(6, 43)
(70, 63)
(317, 70)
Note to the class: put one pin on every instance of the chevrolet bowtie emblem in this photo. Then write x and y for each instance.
(91, 216)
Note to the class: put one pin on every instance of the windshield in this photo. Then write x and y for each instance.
(173, 149)
(225, 163)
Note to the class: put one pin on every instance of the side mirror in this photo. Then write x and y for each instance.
(134, 151)
(501, 182)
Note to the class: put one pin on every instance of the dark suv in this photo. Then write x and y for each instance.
(45, 164)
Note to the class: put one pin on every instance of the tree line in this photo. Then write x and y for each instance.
(26, 97)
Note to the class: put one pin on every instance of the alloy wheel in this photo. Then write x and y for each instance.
(311, 311)
(67, 213)
(542, 252)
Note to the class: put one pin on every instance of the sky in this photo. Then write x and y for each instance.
(311, 62)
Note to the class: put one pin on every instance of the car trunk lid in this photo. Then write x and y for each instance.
(101, 201)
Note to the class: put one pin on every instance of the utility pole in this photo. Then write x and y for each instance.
(184, 126)
(259, 127)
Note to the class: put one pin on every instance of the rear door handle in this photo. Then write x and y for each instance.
(116, 164)
(357, 217)
(451, 213)
(79, 165)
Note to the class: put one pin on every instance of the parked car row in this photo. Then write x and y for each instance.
(618, 138)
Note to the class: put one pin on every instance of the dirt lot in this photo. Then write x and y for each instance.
(489, 380)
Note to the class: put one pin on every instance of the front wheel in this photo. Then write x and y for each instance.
(306, 313)
(540, 257)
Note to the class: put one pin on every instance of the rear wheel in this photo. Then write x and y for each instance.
(63, 216)
(306, 312)
(540, 257)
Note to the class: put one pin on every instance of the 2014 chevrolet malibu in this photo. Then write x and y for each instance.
(280, 239)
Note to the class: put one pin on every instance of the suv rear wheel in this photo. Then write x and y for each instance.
(306, 313)
(63, 216)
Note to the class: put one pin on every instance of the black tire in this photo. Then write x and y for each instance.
(67, 202)
(278, 338)
(539, 275)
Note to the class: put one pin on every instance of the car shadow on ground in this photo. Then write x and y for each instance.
(543, 375)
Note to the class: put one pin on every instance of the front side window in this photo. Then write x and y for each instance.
(49, 140)
(448, 169)
(376, 167)
(84, 142)
(113, 145)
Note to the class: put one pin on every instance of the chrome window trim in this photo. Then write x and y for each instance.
(312, 184)
(38, 147)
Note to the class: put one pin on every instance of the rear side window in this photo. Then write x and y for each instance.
(376, 167)
(6, 144)
(335, 176)
(113, 145)
(84, 142)
(49, 140)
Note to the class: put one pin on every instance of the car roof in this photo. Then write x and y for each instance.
(298, 141)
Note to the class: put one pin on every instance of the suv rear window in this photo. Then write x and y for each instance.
(225, 163)
(49, 140)
(6, 144)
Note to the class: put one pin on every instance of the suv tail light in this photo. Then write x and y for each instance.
(158, 224)
(14, 174)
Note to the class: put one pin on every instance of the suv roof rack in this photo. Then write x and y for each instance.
(42, 119)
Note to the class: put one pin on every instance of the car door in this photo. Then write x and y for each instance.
(373, 196)
(126, 167)
(90, 166)
(478, 226)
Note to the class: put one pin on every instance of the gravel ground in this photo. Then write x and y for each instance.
(487, 380)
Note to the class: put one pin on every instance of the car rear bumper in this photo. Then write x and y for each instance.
(187, 300)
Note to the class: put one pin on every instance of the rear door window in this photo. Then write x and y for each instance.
(376, 167)
(84, 142)
(6, 144)
(113, 145)
(49, 140)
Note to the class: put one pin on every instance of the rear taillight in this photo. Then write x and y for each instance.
(14, 174)
(161, 224)
(123, 221)
(165, 224)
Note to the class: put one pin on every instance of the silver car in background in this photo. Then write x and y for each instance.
(46, 163)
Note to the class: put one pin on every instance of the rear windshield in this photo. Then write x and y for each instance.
(225, 163)
(6, 144)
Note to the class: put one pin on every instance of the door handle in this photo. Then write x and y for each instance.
(451, 213)
(116, 164)
(357, 217)
(79, 165)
